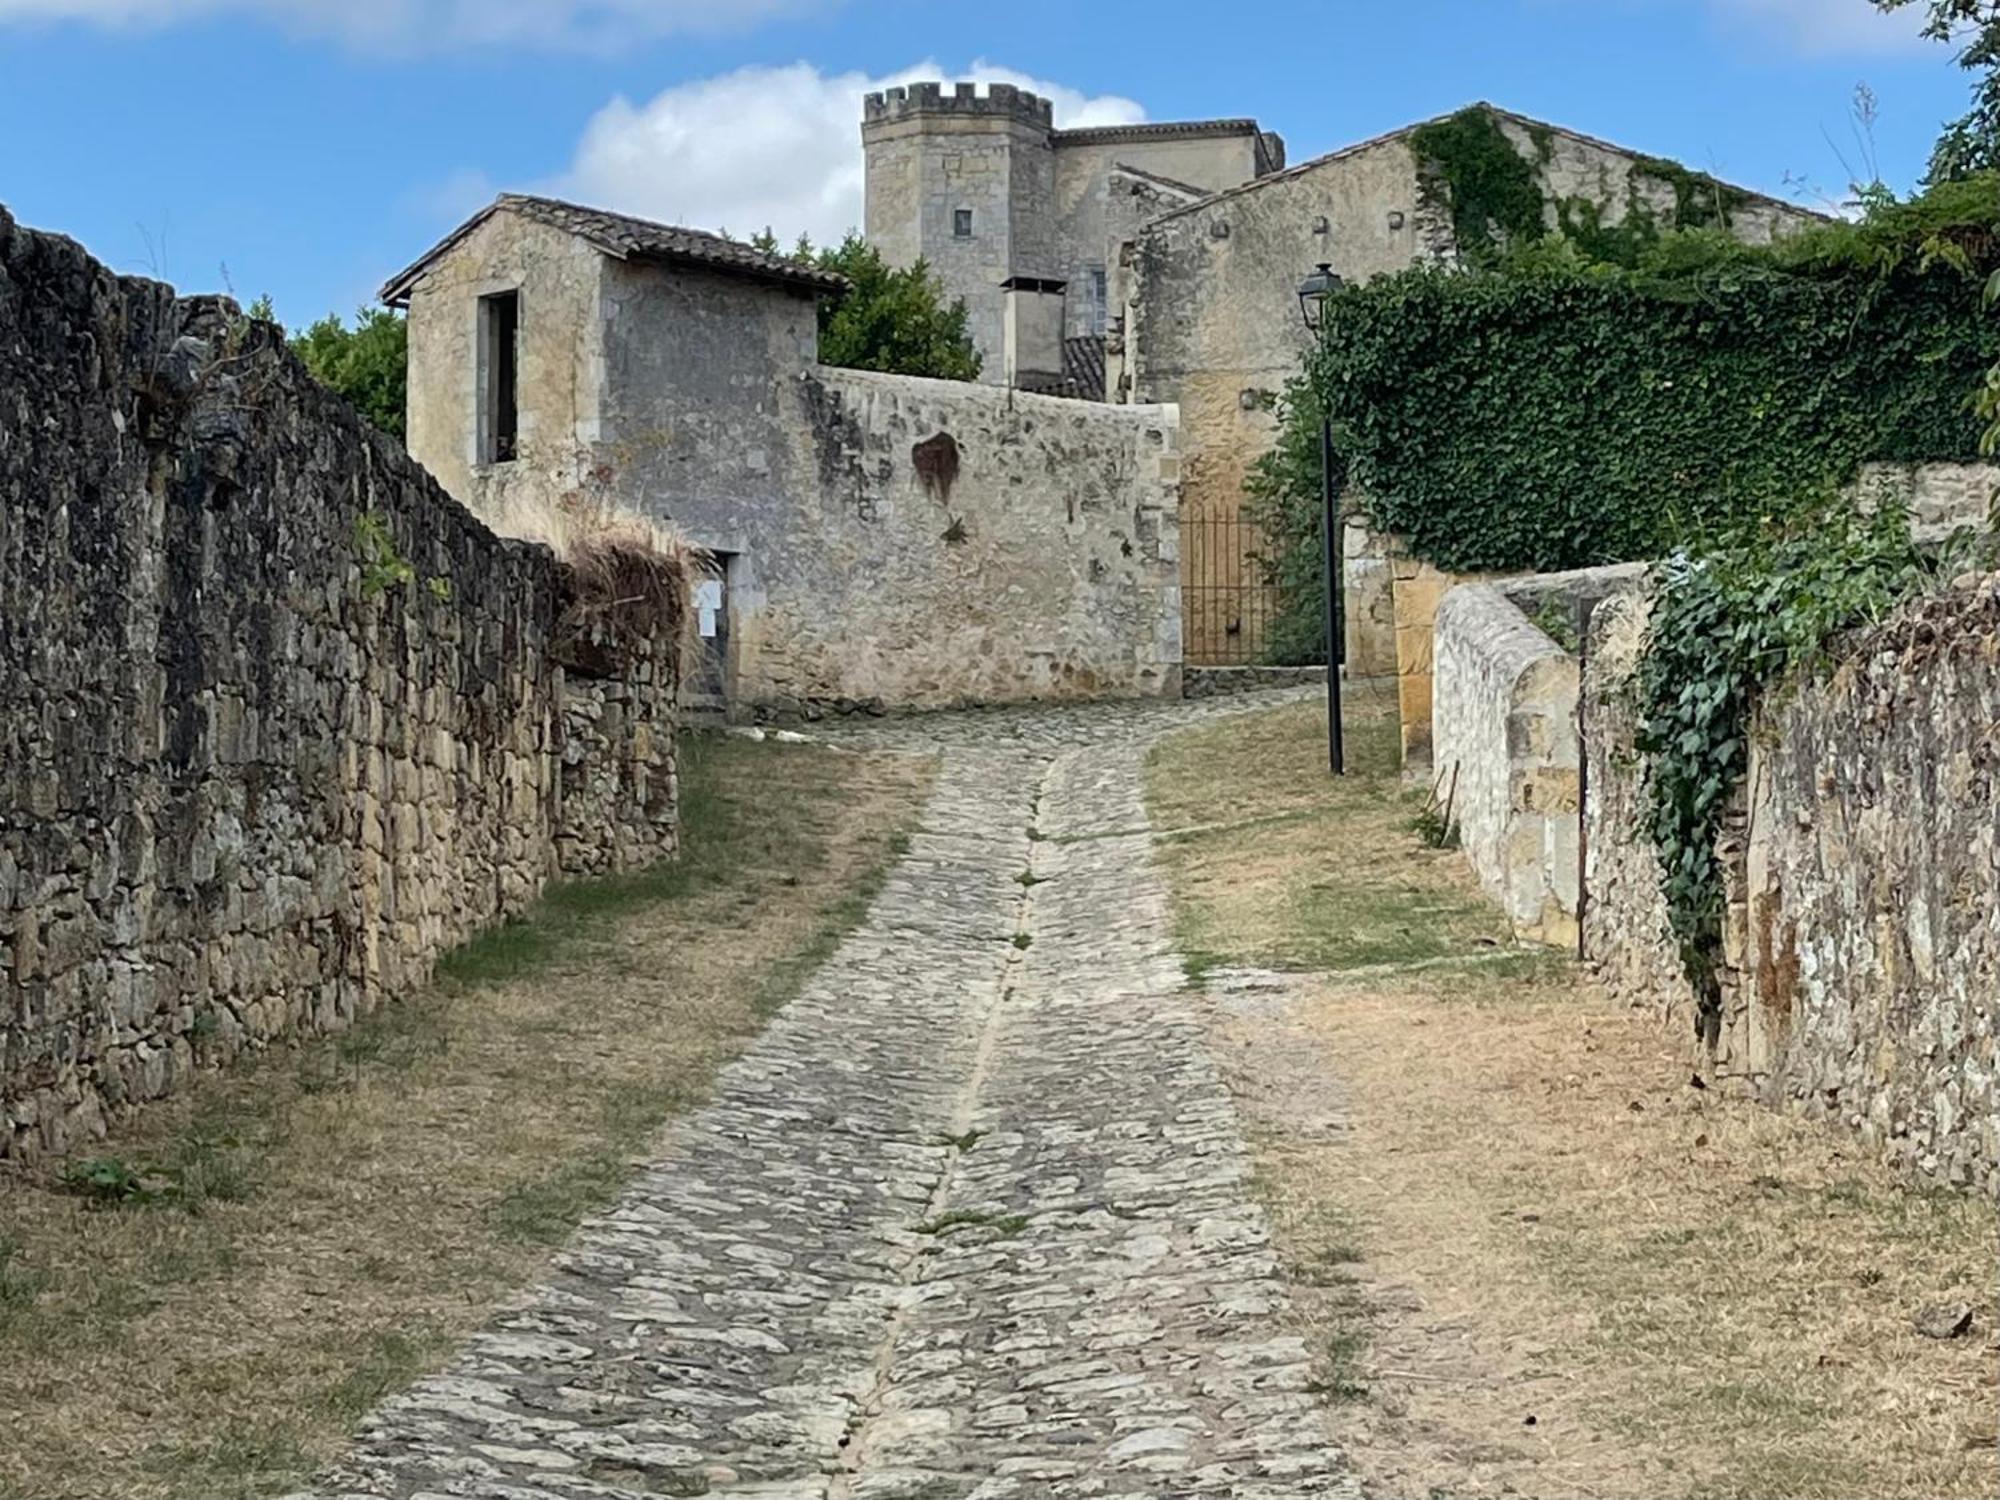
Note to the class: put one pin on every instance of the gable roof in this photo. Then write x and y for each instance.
(625, 238)
(1526, 122)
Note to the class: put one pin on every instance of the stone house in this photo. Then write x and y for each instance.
(1170, 255)
(878, 541)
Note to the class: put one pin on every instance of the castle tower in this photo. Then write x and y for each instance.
(966, 182)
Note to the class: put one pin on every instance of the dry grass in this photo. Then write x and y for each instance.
(1537, 1260)
(349, 1211)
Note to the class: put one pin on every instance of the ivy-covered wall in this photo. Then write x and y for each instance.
(1571, 417)
(1554, 410)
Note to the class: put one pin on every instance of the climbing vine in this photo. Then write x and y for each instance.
(1469, 167)
(1725, 628)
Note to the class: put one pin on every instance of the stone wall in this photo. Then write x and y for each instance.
(1941, 497)
(284, 722)
(960, 544)
(1862, 936)
(1505, 756)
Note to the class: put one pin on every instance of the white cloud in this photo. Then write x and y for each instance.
(765, 146)
(1828, 26)
(435, 25)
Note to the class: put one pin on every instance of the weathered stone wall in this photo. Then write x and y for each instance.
(1941, 497)
(1862, 937)
(1092, 207)
(1505, 756)
(283, 720)
(960, 544)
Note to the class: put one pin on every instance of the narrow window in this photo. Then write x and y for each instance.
(499, 408)
(961, 223)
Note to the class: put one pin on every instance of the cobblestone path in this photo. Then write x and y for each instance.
(969, 1221)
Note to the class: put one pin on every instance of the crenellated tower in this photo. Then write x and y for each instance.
(964, 179)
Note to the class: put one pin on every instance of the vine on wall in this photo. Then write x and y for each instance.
(1470, 167)
(1727, 627)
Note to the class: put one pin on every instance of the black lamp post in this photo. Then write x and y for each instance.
(1313, 292)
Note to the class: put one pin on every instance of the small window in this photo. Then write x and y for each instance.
(499, 385)
(961, 223)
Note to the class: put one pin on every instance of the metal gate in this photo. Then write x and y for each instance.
(1226, 606)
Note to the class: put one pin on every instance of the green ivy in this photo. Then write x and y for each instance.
(1285, 507)
(1467, 164)
(1725, 627)
(1470, 167)
(1557, 412)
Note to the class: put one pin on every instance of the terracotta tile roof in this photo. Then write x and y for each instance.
(627, 238)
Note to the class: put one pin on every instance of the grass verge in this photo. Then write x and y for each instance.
(1531, 1258)
(230, 1284)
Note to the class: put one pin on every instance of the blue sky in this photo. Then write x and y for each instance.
(314, 146)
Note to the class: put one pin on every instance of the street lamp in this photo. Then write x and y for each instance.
(1313, 293)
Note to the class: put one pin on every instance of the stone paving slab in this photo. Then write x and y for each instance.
(970, 1221)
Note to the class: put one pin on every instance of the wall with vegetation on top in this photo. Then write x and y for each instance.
(283, 721)
(1860, 965)
(1555, 411)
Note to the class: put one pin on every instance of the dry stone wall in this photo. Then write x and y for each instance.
(283, 721)
(1862, 936)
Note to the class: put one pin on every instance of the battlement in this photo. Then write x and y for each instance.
(1000, 101)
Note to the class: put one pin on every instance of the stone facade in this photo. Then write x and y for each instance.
(1862, 937)
(1212, 316)
(882, 541)
(982, 187)
(1942, 498)
(284, 721)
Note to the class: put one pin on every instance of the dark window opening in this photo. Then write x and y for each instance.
(499, 330)
(961, 223)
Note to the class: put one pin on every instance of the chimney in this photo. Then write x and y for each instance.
(1033, 332)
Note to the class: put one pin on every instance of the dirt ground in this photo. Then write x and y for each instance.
(1534, 1258)
(267, 1257)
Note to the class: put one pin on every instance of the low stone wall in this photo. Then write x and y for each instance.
(1505, 756)
(283, 721)
(1862, 936)
(963, 544)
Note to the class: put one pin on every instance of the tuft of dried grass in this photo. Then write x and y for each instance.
(632, 576)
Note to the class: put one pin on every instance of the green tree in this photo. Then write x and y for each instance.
(893, 321)
(368, 363)
(1970, 143)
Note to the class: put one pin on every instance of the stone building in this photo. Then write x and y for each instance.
(1171, 256)
(879, 541)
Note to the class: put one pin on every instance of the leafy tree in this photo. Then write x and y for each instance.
(368, 363)
(1971, 143)
(889, 320)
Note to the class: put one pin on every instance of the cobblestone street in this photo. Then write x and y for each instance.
(972, 1219)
